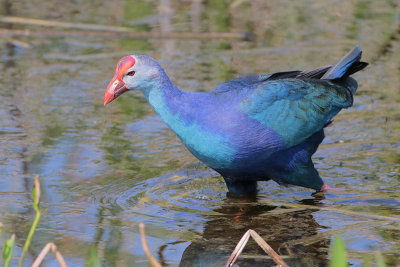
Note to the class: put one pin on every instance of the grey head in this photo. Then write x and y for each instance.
(134, 72)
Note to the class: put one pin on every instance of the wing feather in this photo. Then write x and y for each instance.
(296, 108)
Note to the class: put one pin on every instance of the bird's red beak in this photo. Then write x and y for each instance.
(117, 87)
(114, 89)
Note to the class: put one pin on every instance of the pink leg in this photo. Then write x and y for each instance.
(326, 187)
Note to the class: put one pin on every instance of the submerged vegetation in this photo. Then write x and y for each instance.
(9, 244)
(339, 255)
(8, 249)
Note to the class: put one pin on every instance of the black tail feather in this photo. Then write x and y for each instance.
(357, 66)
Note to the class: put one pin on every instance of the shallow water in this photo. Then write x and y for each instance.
(105, 169)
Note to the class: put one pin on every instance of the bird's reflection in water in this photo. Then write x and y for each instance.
(291, 232)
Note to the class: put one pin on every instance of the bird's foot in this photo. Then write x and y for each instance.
(326, 188)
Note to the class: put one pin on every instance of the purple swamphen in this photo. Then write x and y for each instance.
(252, 128)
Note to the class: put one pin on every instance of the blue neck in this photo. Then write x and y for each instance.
(159, 93)
(184, 114)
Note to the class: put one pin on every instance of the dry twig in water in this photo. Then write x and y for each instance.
(60, 24)
(261, 242)
(105, 30)
(152, 260)
(129, 35)
(44, 252)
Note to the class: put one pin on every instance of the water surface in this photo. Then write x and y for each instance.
(105, 169)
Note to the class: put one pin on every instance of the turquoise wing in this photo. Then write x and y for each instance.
(294, 108)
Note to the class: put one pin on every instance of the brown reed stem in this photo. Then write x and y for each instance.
(152, 260)
(261, 242)
(49, 246)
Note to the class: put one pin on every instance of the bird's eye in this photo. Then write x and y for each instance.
(131, 73)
